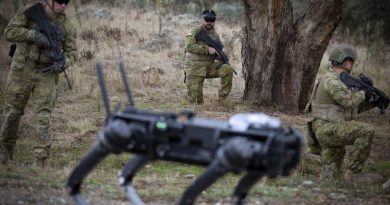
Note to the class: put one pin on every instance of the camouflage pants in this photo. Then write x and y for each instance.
(334, 136)
(311, 161)
(195, 83)
(21, 83)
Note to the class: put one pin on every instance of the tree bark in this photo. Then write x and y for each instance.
(281, 56)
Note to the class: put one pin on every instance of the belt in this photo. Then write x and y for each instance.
(42, 65)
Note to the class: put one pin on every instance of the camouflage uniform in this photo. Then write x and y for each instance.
(333, 107)
(24, 80)
(199, 64)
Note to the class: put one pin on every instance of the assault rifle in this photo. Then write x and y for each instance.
(366, 84)
(253, 143)
(55, 36)
(217, 45)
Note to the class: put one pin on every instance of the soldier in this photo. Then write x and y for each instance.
(201, 61)
(26, 77)
(333, 107)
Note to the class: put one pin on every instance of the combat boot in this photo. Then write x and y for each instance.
(310, 164)
(328, 172)
(6, 153)
(194, 101)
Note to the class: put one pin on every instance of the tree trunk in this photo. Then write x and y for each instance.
(281, 57)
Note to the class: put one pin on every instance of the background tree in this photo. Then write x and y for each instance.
(281, 56)
(361, 18)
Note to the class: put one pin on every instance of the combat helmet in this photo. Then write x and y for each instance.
(341, 52)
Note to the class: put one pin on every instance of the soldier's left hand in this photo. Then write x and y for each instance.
(41, 40)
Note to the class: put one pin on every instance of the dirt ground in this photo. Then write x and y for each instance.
(21, 184)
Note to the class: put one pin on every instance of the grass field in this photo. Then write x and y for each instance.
(153, 65)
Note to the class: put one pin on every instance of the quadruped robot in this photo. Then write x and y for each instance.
(251, 143)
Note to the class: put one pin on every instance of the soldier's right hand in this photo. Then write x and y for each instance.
(212, 50)
(41, 40)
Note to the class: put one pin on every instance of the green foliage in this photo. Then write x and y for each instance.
(381, 167)
(377, 44)
(361, 17)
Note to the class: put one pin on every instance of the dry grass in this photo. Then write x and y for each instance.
(160, 69)
(153, 66)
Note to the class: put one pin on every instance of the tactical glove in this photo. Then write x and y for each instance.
(41, 40)
(57, 68)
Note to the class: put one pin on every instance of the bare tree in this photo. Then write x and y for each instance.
(281, 55)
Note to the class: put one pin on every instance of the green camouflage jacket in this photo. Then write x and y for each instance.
(197, 55)
(22, 31)
(333, 101)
